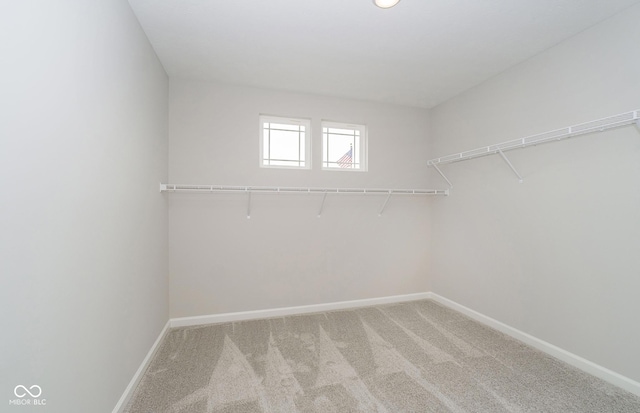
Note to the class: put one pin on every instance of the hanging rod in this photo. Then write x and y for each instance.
(598, 125)
(298, 190)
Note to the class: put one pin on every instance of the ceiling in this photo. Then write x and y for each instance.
(419, 53)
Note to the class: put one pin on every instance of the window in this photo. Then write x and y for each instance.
(285, 142)
(344, 146)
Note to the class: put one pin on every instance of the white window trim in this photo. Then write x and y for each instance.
(262, 119)
(364, 140)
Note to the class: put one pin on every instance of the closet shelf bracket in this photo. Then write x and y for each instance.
(510, 165)
(248, 190)
(441, 174)
(385, 204)
(324, 197)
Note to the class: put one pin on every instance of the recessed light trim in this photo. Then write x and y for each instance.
(385, 4)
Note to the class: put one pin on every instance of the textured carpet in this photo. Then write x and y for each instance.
(410, 357)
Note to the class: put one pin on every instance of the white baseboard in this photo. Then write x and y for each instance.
(128, 392)
(284, 311)
(554, 351)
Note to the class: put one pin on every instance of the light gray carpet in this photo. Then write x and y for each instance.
(410, 357)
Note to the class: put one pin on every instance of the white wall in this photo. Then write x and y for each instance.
(83, 228)
(557, 256)
(284, 255)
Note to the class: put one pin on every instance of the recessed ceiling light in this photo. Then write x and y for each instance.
(385, 4)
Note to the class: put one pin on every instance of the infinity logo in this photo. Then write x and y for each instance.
(26, 391)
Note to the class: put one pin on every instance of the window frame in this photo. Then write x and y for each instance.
(262, 119)
(363, 145)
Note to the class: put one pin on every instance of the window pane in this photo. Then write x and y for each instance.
(284, 163)
(285, 145)
(341, 147)
(341, 131)
(284, 126)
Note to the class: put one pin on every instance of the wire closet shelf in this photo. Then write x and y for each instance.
(249, 190)
(598, 125)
